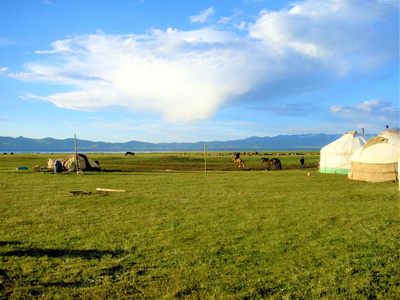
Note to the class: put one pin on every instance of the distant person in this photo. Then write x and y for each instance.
(237, 155)
(302, 163)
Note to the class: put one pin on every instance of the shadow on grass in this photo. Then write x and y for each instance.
(86, 254)
(9, 243)
(74, 284)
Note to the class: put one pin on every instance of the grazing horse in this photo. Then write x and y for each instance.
(238, 161)
(129, 153)
(273, 161)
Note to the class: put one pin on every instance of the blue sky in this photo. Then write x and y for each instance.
(187, 71)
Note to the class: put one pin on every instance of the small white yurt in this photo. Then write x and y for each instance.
(377, 160)
(335, 157)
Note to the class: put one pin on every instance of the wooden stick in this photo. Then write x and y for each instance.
(110, 190)
(76, 156)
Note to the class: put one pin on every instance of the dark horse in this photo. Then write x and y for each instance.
(273, 161)
(129, 153)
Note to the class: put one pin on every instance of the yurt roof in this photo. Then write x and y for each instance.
(392, 135)
(346, 144)
(380, 149)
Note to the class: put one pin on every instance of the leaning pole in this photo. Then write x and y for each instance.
(76, 156)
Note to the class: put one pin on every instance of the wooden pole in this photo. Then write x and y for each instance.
(76, 156)
(110, 190)
(205, 158)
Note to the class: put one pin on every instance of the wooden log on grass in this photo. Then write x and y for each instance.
(110, 190)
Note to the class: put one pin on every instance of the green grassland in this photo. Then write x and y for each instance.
(179, 232)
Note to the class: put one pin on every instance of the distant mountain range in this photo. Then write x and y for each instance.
(301, 142)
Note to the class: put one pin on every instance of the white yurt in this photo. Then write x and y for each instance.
(335, 157)
(377, 160)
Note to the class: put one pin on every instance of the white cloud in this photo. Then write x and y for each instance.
(203, 16)
(370, 111)
(181, 75)
(190, 75)
(348, 34)
(369, 105)
(241, 26)
(336, 108)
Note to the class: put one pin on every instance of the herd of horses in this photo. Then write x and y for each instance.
(237, 162)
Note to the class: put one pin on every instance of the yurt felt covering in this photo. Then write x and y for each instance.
(377, 160)
(335, 157)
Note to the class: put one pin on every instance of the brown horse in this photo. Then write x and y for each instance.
(238, 161)
(273, 161)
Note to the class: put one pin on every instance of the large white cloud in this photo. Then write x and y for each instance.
(181, 75)
(189, 75)
(350, 35)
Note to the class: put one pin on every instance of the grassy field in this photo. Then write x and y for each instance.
(181, 233)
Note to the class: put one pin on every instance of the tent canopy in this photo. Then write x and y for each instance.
(85, 163)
